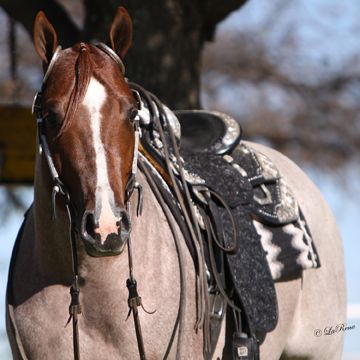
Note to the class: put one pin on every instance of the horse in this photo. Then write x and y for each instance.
(87, 150)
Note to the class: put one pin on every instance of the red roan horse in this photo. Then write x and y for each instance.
(87, 140)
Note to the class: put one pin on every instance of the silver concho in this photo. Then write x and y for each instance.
(269, 171)
(288, 209)
(173, 122)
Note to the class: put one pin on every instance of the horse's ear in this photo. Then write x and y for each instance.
(45, 38)
(120, 35)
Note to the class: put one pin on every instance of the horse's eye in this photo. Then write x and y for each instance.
(52, 120)
(132, 114)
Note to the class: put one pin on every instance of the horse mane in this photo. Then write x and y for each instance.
(83, 72)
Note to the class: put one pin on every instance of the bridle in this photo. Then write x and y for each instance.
(37, 111)
(60, 189)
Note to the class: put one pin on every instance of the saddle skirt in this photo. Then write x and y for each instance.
(274, 241)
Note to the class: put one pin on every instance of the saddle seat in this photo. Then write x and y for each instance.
(208, 131)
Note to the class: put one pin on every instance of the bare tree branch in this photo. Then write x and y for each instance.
(319, 119)
(216, 11)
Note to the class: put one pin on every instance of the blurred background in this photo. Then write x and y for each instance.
(288, 71)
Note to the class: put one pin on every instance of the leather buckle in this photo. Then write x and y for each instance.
(245, 348)
(218, 306)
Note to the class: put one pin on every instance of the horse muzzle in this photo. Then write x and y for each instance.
(113, 243)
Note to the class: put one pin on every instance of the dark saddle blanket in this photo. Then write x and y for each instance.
(274, 241)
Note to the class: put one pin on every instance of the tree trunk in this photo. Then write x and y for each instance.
(168, 38)
(24, 12)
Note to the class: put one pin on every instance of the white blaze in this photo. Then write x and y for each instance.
(104, 197)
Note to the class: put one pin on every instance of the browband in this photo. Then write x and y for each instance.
(101, 46)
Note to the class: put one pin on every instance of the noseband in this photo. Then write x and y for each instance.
(59, 188)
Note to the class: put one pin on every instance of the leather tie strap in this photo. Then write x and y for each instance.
(134, 301)
(75, 307)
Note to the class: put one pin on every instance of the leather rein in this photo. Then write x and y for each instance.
(59, 189)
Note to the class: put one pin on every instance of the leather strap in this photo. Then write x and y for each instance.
(60, 189)
(134, 301)
(178, 326)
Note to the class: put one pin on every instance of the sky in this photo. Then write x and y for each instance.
(325, 29)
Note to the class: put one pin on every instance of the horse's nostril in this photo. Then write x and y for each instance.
(90, 223)
(88, 226)
(118, 223)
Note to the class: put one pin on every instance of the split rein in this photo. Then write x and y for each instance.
(59, 189)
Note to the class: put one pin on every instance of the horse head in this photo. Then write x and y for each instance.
(87, 111)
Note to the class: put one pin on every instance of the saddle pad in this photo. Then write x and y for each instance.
(289, 248)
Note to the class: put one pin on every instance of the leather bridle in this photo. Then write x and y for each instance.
(59, 189)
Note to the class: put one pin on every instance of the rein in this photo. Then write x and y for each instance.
(59, 189)
(197, 214)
